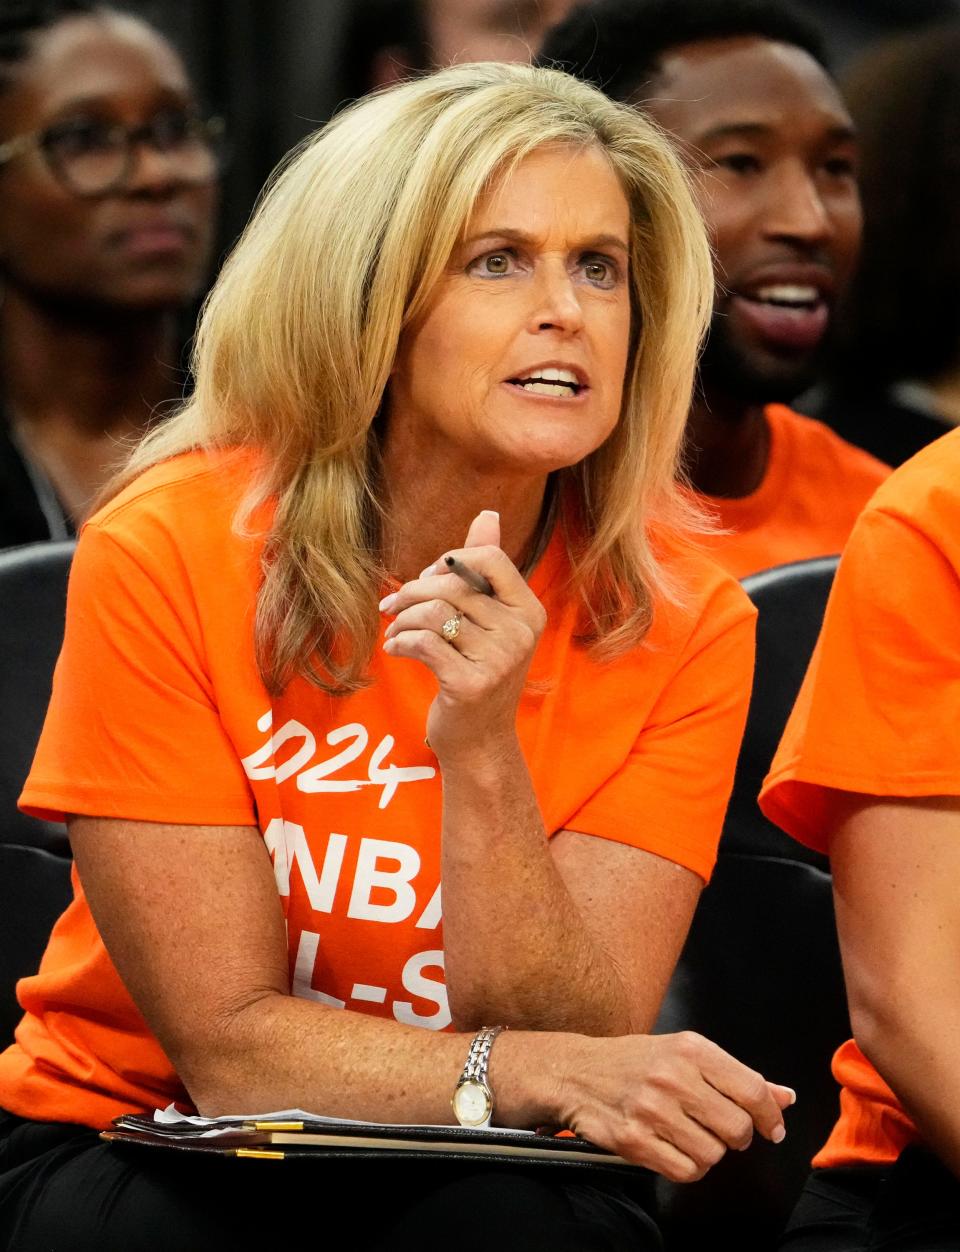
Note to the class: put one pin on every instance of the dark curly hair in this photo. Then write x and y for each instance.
(618, 44)
(22, 20)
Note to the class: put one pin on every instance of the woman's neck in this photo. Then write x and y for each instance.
(77, 390)
(82, 374)
(429, 511)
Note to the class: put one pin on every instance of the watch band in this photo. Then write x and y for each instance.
(478, 1058)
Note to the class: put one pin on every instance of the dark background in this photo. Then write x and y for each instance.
(277, 69)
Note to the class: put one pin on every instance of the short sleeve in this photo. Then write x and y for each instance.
(879, 709)
(133, 728)
(674, 787)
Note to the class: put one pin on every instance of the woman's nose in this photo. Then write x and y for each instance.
(556, 304)
(153, 171)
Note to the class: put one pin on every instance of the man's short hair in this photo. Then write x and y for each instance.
(618, 44)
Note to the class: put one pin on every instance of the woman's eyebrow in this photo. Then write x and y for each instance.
(520, 236)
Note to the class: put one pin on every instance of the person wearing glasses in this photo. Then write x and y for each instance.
(108, 192)
(462, 323)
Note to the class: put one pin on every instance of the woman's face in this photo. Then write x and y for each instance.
(517, 366)
(141, 246)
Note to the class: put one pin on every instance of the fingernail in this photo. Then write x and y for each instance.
(389, 645)
(425, 573)
(779, 1134)
(793, 1095)
(491, 513)
(387, 603)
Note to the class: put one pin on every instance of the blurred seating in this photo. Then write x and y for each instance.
(33, 591)
(34, 855)
(760, 973)
(34, 891)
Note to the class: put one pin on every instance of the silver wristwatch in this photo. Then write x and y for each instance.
(473, 1100)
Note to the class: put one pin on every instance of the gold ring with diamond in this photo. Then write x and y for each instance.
(451, 627)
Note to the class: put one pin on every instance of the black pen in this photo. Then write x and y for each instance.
(469, 576)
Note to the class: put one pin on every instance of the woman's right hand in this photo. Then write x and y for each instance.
(673, 1103)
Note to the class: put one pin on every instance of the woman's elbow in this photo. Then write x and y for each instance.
(220, 1061)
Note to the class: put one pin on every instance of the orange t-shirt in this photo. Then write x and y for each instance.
(879, 714)
(814, 488)
(158, 714)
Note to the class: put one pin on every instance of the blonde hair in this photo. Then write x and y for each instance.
(298, 336)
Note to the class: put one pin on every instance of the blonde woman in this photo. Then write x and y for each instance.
(462, 324)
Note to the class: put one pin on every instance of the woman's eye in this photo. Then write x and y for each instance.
(492, 264)
(81, 137)
(601, 272)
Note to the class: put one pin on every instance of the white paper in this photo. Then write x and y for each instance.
(171, 1116)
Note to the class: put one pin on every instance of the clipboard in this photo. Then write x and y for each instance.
(279, 1137)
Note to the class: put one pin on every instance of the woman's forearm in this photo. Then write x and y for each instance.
(516, 947)
(631, 1094)
(280, 1051)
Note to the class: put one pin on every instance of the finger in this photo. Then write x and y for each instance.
(433, 615)
(784, 1096)
(693, 1140)
(484, 529)
(743, 1085)
(752, 1093)
(721, 1117)
(509, 585)
(484, 611)
(665, 1158)
(427, 647)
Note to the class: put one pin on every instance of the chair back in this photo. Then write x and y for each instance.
(34, 891)
(760, 973)
(33, 597)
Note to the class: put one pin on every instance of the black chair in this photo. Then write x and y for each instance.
(34, 891)
(34, 855)
(760, 973)
(33, 593)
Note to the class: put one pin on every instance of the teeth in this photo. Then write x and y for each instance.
(788, 293)
(558, 376)
(547, 389)
(554, 376)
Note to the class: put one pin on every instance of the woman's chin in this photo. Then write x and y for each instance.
(548, 453)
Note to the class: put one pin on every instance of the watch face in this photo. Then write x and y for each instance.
(471, 1103)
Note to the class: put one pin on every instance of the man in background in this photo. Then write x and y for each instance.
(422, 35)
(742, 86)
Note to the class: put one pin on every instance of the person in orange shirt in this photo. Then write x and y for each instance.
(744, 89)
(281, 719)
(868, 771)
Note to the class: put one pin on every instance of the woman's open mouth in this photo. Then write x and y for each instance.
(555, 383)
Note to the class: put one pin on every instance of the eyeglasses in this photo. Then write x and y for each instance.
(92, 158)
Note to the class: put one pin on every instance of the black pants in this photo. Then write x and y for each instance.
(62, 1189)
(910, 1206)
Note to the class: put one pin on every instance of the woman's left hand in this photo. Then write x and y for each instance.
(482, 669)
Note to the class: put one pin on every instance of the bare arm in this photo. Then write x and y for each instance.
(896, 865)
(576, 933)
(191, 918)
